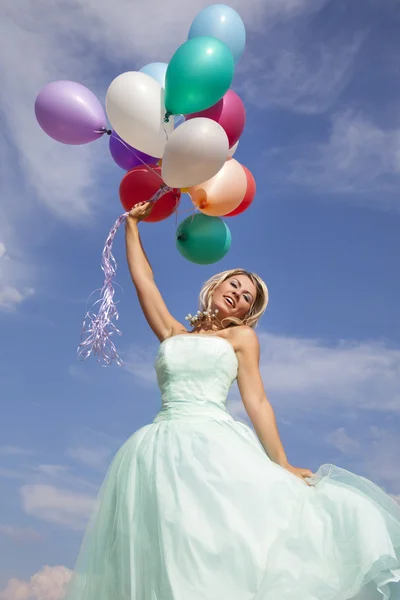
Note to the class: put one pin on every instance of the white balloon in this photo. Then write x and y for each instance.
(136, 111)
(194, 153)
(233, 149)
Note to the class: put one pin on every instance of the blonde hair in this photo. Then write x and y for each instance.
(259, 305)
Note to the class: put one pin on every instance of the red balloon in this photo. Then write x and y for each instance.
(249, 196)
(140, 184)
(229, 112)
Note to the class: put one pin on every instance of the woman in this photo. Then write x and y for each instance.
(195, 506)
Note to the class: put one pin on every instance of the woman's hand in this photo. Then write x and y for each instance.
(301, 473)
(140, 211)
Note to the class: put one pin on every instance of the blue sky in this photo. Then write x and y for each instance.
(321, 83)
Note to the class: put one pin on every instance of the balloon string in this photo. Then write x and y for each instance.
(98, 328)
(130, 149)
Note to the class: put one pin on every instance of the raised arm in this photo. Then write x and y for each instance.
(154, 309)
(256, 403)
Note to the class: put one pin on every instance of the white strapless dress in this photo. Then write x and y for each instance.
(192, 508)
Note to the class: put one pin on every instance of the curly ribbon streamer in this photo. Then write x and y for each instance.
(98, 329)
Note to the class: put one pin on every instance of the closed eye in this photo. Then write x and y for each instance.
(245, 296)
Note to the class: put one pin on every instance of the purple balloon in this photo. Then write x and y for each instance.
(70, 113)
(127, 157)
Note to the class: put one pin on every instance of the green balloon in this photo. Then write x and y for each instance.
(202, 239)
(198, 75)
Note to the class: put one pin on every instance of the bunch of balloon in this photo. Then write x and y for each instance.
(182, 115)
(174, 127)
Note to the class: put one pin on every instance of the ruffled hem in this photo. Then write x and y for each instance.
(202, 514)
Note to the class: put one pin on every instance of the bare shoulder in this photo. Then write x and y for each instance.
(245, 339)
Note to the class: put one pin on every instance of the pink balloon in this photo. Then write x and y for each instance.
(229, 112)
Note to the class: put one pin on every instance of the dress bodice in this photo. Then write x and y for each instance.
(195, 373)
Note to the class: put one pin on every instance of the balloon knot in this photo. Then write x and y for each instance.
(181, 237)
(167, 116)
(108, 131)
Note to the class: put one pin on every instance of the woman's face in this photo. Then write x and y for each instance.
(234, 297)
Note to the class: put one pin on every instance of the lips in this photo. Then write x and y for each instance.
(230, 301)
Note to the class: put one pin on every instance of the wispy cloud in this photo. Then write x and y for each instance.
(74, 40)
(57, 505)
(91, 457)
(342, 441)
(373, 450)
(92, 448)
(306, 373)
(139, 362)
(75, 46)
(14, 281)
(50, 583)
(359, 161)
(305, 78)
(308, 379)
(20, 534)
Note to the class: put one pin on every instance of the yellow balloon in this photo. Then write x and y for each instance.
(221, 194)
(185, 190)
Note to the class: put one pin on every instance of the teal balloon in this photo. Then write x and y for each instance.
(202, 239)
(198, 75)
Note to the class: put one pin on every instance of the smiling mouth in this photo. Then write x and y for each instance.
(229, 301)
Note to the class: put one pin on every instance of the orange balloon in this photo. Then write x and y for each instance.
(222, 193)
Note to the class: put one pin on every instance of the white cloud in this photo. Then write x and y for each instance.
(301, 373)
(92, 448)
(50, 583)
(13, 275)
(52, 471)
(60, 475)
(139, 362)
(373, 450)
(70, 40)
(74, 39)
(305, 78)
(304, 373)
(359, 159)
(382, 456)
(342, 441)
(55, 505)
(20, 534)
(91, 457)
(11, 473)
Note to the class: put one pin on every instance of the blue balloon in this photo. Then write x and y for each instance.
(178, 120)
(157, 71)
(224, 23)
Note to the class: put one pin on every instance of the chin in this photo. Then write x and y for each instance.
(222, 312)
